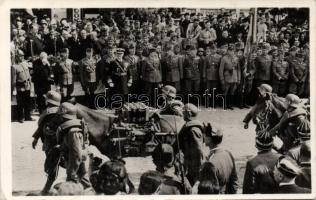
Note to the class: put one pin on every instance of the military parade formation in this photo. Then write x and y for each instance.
(176, 55)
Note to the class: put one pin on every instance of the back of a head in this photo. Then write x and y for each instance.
(208, 187)
(149, 182)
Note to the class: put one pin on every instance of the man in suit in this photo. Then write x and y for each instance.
(222, 159)
(257, 183)
(35, 43)
(285, 172)
(229, 74)
(62, 41)
(21, 82)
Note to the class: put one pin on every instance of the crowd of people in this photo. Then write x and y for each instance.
(183, 56)
(137, 53)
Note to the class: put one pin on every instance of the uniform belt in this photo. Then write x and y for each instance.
(120, 74)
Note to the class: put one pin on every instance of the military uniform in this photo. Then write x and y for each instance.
(64, 77)
(73, 139)
(191, 144)
(298, 73)
(133, 63)
(22, 82)
(192, 68)
(211, 71)
(119, 75)
(249, 80)
(88, 78)
(280, 74)
(172, 71)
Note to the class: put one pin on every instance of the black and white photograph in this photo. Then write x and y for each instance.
(160, 101)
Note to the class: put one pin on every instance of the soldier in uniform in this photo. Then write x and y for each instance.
(133, 61)
(286, 129)
(171, 68)
(285, 172)
(222, 159)
(72, 136)
(229, 74)
(119, 77)
(21, 81)
(280, 74)
(192, 68)
(64, 75)
(192, 143)
(88, 79)
(171, 106)
(298, 73)
(249, 75)
(304, 178)
(47, 127)
(263, 67)
(151, 74)
(210, 72)
(261, 182)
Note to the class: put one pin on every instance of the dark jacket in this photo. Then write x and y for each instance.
(252, 184)
(291, 189)
(41, 77)
(226, 172)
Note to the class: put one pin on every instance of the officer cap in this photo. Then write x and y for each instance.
(200, 50)
(262, 142)
(163, 155)
(120, 50)
(294, 100)
(288, 167)
(20, 53)
(303, 130)
(68, 110)
(169, 90)
(191, 108)
(53, 97)
(293, 48)
(265, 88)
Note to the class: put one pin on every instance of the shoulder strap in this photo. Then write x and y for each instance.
(47, 112)
(70, 124)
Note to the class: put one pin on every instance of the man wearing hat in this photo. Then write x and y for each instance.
(298, 74)
(285, 172)
(229, 75)
(191, 142)
(72, 136)
(304, 179)
(88, 80)
(171, 65)
(286, 129)
(171, 183)
(171, 106)
(263, 66)
(261, 182)
(222, 160)
(47, 127)
(280, 74)
(63, 75)
(210, 73)
(119, 77)
(21, 82)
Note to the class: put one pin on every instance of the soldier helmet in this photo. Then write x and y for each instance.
(149, 182)
(287, 167)
(303, 130)
(265, 88)
(191, 108)
(68, 110)
(53, 97)
(294, 101)
(305, 151)
(169, 91)
(163, 155)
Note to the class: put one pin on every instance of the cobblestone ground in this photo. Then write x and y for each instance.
(27, 164)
